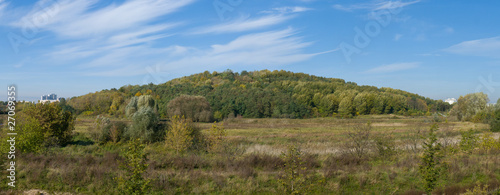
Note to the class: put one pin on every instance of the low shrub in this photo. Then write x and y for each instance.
(468, 142)
(134, 181)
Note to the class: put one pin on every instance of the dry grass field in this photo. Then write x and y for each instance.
(251, 162)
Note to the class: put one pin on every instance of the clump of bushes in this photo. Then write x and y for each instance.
(385, 146)
(43, 125)
(195, 108)
(104, 130)
(144, 126)
(136, 103)
(216, 138)
(182, 135)
(495, 121)
(97, 130)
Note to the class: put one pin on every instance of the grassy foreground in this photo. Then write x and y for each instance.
(251, 161)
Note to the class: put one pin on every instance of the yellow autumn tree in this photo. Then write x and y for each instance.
(216, 137)
(179, 134)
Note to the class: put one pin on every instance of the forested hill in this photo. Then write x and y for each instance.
(265, 94)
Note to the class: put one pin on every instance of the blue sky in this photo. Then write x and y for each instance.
(438, 49)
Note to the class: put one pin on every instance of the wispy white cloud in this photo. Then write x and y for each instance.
(137, 36)
(393, 4)
(97, 35)
(397, 37)
(110, 45)
(79, 19)
(244, 24)
(52, 14)
(3, 5)
(257, 49)
(267, 48)
(117, 40)
(488, 47)
(449, 30)
(287, 10)
(375, 5)
(394, 67)
(428, 54)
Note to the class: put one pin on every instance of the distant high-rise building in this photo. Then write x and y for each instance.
(52, 96)
(49, 98)
(451, 100)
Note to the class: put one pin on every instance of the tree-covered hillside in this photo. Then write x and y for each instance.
(265, 93)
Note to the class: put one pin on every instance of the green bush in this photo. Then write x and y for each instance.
(56, 125)
(478, 190)
(469, 141)
(432, 166)
(385, 145)
(134, 181)
(144, 126)
(436, 118)
(97, 130)
(103, 130)
(30, 136)
(487, 142)
(115, 131)
(495, 121)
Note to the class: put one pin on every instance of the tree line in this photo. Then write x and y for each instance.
(261, 94)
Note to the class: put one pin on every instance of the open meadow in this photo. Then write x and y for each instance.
(146, 97)
(376, 154)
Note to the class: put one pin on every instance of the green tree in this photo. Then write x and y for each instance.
(131, 107)
(495, 121)
(294, 178)
(138, 102)
(364, 102)
(56, 125)
(346, 105)
(146, 101)
(144, 126)
(432, 166)
(134, 180)
(469, 105)
(65, 107)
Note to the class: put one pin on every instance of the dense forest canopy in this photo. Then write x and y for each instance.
(259, 94)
